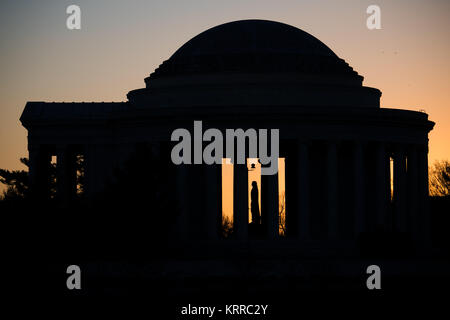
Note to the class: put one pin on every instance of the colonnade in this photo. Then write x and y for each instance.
(334, 189)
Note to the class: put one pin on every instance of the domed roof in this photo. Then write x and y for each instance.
(253, 36)
(254, 63)
(253, 46)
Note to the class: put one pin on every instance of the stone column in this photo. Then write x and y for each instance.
(33, 164)
(240, 201)
(39, 161)
(197, 203)
(98, 164)
(65, 174)
(303, 191)
(389, 216)
(380, 186)
(413, 189)
(270, 204)
(359, 188)
(106, 164)
(182, 189)
(90, 171)
(400, 189)
(213, 200)
(126, 150)
(424, 218)
(291, 167)
(332, 190)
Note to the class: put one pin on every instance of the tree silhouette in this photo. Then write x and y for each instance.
(227, 226)
(440, 179)
(16, 182)
(79, 167)
(282, 214)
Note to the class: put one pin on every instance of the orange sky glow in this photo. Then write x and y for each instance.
(122, 42)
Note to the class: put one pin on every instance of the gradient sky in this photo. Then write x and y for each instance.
(121, 42)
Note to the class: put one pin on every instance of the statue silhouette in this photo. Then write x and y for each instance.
(254, 204)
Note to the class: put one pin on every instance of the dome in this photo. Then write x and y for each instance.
(253, 36)
(254, 63)
(253, 46)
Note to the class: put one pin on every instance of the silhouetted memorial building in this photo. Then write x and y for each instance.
(351, 166)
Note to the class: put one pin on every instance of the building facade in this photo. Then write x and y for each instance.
(351, 166)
